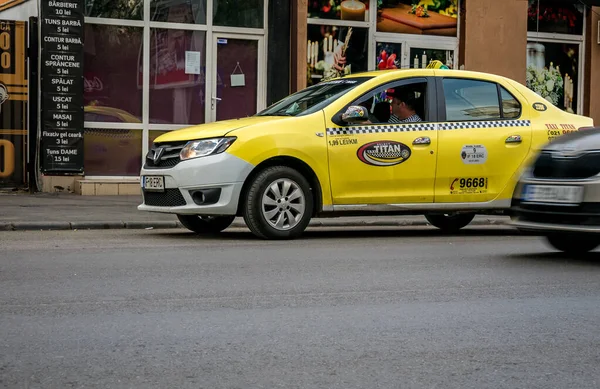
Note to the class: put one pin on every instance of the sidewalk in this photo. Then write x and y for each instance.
(65, 211)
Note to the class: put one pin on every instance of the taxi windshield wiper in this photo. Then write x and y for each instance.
(277, 114)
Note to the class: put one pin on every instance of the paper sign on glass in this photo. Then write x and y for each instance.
(192, 62)
(238, 79)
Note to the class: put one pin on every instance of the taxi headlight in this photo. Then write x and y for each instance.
(205, 147)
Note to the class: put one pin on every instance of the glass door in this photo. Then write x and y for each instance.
(237, 76)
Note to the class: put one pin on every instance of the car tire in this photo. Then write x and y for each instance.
(278, 203)
(573, 244)
(450, 222)
(205, 224)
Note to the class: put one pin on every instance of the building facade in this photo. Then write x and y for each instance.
(145, 67)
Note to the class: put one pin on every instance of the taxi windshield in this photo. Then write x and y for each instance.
(313, 98)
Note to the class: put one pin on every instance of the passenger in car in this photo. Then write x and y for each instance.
(403, 106)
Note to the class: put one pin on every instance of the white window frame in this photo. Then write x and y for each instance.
(259, 34)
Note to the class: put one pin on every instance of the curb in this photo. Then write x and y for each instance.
(142, 225)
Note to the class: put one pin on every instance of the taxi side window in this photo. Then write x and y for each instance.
(469, 100)
(378, 101)
(511, 108)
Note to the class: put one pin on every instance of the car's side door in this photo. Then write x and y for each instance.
(483, 140)
(381, 162)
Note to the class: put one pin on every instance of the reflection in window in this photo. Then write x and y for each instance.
(115, 9)
(236, 13)
(112, 152)
(177, 89)
(178, 11)
(511, 108)
(471, 100)
(112, 78)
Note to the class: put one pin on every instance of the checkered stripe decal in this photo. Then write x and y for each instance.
(381, 129)
(375, 129)
(484, 124)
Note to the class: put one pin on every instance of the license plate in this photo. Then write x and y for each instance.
(553, 194)
(154, 183)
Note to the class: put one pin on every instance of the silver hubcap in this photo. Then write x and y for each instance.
(283, 204)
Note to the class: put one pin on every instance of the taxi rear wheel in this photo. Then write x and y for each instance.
(205, 224)
(278, 204)
(573, 244)
(451, 222)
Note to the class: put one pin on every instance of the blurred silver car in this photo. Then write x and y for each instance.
(558, 196)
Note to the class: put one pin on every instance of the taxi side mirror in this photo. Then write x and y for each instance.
(355, 114)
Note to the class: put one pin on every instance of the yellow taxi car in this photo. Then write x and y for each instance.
(447, 144)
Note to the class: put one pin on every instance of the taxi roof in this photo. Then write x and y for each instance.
(390, 73)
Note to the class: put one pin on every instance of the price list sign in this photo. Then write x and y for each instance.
(61, 24)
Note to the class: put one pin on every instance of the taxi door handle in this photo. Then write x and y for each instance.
(422, 141)
(514, 139)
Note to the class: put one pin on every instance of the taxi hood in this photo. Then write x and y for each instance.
(214, 130)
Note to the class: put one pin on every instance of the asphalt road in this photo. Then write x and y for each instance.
(386, 308)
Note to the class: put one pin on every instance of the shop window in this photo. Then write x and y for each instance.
(555, 16)
(355, 10)
(178, 11)
(153, 134)
(111, 152)
(471, 100)
(421, 57)
(334, 51)
(422, 17)
(236, 13)
(177, 76)
(389, 56)
(115, 9)
(112, 87)
(553, 70)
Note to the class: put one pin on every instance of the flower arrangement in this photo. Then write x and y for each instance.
(546, 82)
(387, 62)
(421, 8)
(552, 15)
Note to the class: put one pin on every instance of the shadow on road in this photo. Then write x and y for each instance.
(590, 259)
(352, 233)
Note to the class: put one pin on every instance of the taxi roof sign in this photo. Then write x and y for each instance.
(437, 65)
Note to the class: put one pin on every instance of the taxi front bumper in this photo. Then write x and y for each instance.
(201, 186)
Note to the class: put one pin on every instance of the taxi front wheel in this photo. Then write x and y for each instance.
(278, 204)
(205, 224)
(450, 222)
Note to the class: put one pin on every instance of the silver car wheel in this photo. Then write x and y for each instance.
(283, 204)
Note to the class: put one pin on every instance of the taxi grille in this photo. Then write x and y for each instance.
(168, 198)
(169, 155)
(555, 167)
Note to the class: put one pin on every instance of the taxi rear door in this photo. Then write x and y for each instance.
(484, 138)
(381, 162)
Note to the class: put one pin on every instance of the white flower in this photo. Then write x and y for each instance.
(550, 85)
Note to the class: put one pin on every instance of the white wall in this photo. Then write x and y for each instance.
(21, 12)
